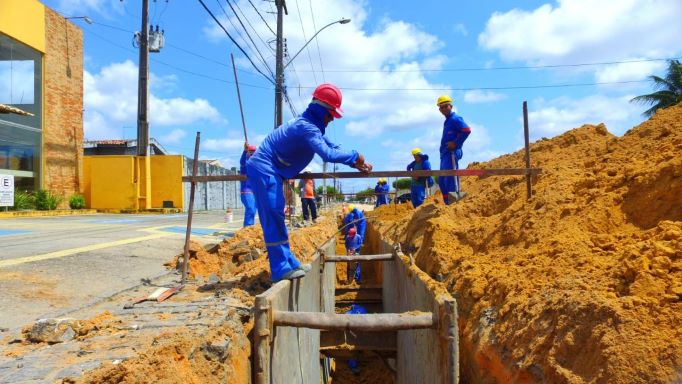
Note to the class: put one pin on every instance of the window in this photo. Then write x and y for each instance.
(20, 136)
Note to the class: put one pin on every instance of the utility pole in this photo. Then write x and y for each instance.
(279, 61)
(142, 86)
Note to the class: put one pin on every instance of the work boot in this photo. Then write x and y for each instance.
(293, 274)
(305, 267)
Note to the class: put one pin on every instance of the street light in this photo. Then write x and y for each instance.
(342, 21)
(85, 18)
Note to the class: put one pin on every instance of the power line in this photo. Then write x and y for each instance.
(300, 18)
(176, 67)
(498, 68)
(234, 42)
(181, 49)
(489, 88)
(250, 38)
(262, 18)
(319, 55)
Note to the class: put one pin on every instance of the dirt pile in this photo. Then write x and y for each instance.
(583, 283)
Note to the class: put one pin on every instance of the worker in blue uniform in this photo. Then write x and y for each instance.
(356, 215)
(381, 192)
(455, 132)
(419, 184)
(283, 154)
(353, 245)
(246, 193)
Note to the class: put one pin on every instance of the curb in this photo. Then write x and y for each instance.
(158, 211)
(56, 212)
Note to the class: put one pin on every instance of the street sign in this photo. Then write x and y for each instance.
(6, 190)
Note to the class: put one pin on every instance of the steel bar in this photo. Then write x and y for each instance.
(370, 322)
(380, 257)
(359, 175)
(195, 165)
(529, 189)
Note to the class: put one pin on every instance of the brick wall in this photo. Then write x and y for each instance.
(63, 106)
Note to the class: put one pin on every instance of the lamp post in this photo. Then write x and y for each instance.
(85, 18)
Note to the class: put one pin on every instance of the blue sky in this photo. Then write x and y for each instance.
(391, 61)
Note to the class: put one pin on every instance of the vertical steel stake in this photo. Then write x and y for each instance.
(185, 259)
(529, 189)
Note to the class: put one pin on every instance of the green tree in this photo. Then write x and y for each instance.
(404, 183)
(332, 193)
(365, 194)
(669, 90)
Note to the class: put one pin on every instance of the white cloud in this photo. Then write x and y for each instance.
(460, 29)
(553, 117)
(386, 56)
(173, 137)
(110, 101)
(478, 96)
(583, 31)
(629, 71)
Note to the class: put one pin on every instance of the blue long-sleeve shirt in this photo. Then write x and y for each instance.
(423, 166)
(244, 185)
(454, 129)
(290, 148)
(353, 243)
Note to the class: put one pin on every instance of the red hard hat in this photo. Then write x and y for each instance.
(330, 94)
(352, 231)
(251, 148)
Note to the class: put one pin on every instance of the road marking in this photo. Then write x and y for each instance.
(73, 251)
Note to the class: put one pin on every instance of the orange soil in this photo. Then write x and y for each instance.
(582, 283)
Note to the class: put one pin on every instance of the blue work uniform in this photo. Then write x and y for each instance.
(282, 155)
(360, 222)
(456, 130)
(246, 193)
(346, 221)
(355, 309)
(418, 187)
(377, 193)
(353, 244)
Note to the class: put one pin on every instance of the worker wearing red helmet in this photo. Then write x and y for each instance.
(246, 193)
(283, 154)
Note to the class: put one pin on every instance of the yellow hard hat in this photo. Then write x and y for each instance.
(444, 99)
(351, 207)
(416, 151)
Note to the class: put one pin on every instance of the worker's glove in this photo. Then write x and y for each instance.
(361, 166)
(451, 145)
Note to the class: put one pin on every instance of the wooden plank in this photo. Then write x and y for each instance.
(375, 174)
(369, 322)
(380, 257)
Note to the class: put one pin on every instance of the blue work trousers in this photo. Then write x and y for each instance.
(361, 226)
(418, 194)
(267, 189)
(249, 202)
(448, 184)
(309, 208)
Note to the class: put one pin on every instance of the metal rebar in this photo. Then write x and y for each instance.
(195, 165)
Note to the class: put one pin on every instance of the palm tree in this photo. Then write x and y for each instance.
(669, 89)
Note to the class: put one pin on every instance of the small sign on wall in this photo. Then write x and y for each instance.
(6, 190)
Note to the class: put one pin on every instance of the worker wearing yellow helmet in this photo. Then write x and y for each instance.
(421, 183)
(381, 192)
(455, 132)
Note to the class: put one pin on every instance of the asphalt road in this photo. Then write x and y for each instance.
(53, 265)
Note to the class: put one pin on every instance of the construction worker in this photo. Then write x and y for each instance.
(307, 188)
(282, 155)
(359, 218)
(246, 194)
(353, 245)
(381, 192)
(455, 132)
(419, 184)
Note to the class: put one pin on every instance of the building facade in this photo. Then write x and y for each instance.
(41, 72)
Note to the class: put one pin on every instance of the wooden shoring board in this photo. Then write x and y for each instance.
(424, 355)
(286, 354)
